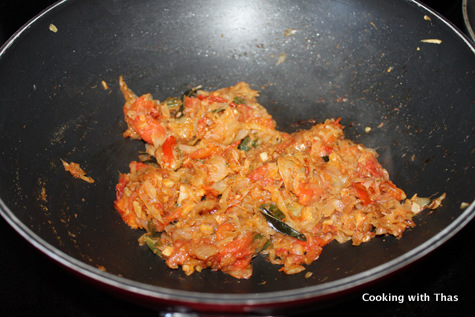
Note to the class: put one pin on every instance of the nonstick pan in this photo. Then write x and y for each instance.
(394, 66)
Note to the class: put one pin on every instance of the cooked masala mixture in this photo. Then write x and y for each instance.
(217, 184)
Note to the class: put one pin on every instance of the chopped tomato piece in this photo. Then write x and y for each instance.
(222, 229)
(124, 206)
(172, 216)
(119, 188)
(369, 165)
(308, 193)
(205, 152)
(144, 105)
(239, 247)
(167, 148)
(147, 128)
(260, 174)
(336, 122)
(191, 102)
(392, 190)
(362, 193)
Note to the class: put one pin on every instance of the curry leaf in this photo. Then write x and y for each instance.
(273, 210)
(260, 243)
(280, 226)
(239, 100)
(247, 143)
(153, 244)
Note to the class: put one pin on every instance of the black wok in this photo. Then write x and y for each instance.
(361, 60)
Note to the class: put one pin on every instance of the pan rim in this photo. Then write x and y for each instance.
(9, 42)
(166, 294)
(18, 33)
(466, 19)
(455, 29)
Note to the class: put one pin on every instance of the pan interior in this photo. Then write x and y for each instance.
(362, 61)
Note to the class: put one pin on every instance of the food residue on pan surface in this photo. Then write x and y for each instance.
(464, 205)
(290, 32)
(76, 170)
(219, 184)
(432, 41)
(282, 57)
(53, 28)
(104, 85)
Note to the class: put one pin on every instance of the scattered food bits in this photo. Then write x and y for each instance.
(53, 28)
(367, 129)
(308, 274)
(104, 84)
(436, 203)
(374, 25)
(77, 171)
(281, 59)
(167, 251)
(102, 268)
(390, 69)
(432, 41)
(43, 196)
(290, 32)
(464, 205)
(264, 157)
(426, 17)
(341, 99)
